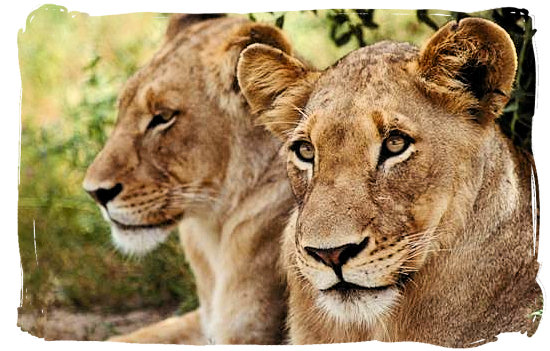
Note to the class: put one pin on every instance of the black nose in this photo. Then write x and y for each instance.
(103, 196)
(337, 256)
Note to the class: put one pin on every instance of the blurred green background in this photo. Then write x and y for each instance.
(72, 67)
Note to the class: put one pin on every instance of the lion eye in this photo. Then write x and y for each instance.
(395, 144)
(162, 118)
(304, 151)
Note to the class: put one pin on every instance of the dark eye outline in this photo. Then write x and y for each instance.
(295, 147)
(386, 154)
(161, 118)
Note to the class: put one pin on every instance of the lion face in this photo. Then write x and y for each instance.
(381, 154)
(370, 191)
(165, 157)
(179, 118)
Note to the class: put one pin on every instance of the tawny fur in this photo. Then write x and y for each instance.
(212, 171)
(452, 215)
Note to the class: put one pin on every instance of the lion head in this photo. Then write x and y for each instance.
(178, 136)
(383, 154)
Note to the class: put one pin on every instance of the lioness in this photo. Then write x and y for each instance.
(185, 150)
(415, 214)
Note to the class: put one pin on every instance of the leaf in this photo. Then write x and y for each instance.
(280, 21)
(366, 17)
(93, 62)
(358, 34)
(423, 17)
(339, 17)
(343, 39)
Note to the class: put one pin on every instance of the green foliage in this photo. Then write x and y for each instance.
(323, 36)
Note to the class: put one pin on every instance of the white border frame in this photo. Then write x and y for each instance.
(15, 14)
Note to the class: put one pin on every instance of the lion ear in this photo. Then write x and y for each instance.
(469, 67)
(180, 21)
(275, 85)
(264, 34)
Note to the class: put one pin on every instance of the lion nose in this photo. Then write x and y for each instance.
(103, 196)
(337, 256)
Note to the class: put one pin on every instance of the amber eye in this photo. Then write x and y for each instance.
(162, 118)
(304, 151)
(395, 144)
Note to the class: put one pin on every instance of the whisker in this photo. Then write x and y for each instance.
(300, 111)
(279, 122)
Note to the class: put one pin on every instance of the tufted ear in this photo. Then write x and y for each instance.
(469, 67)
(275, 85)
(180, 21)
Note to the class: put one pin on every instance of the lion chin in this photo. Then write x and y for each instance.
(137, 241)
(363, 307)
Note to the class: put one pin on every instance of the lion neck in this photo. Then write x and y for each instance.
(241, 230)
(253, 162)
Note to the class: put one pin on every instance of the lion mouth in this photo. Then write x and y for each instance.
(347, 288)
(161, 225)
